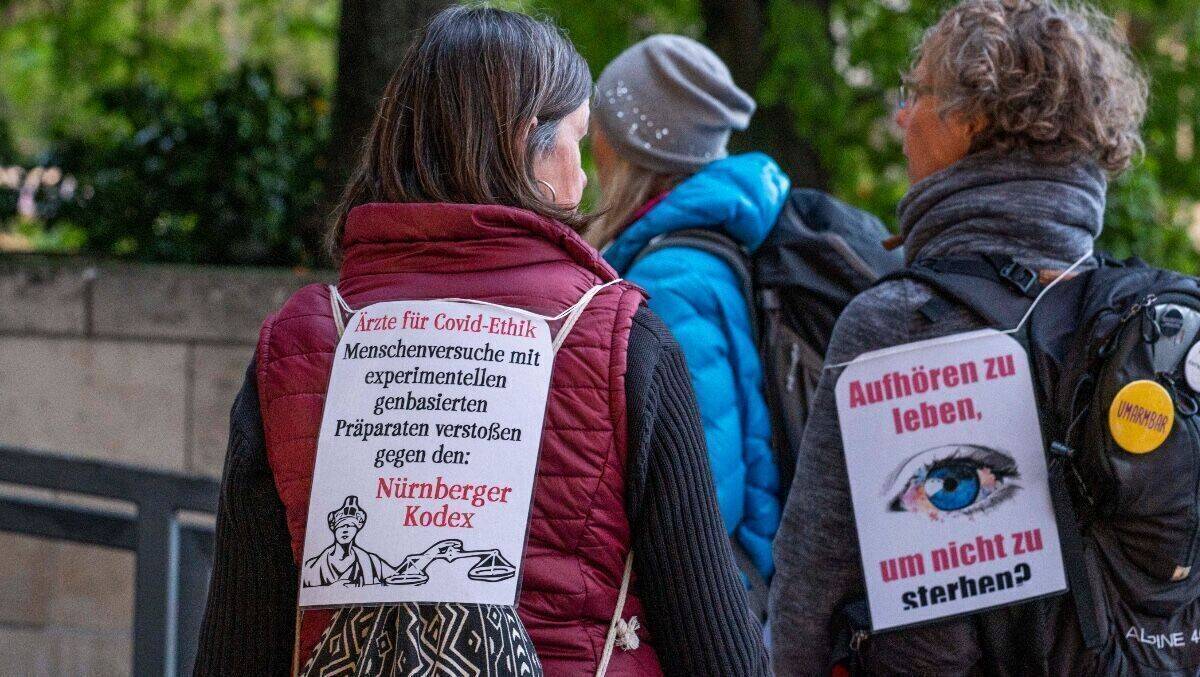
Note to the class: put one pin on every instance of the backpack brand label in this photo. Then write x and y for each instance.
(948, 478)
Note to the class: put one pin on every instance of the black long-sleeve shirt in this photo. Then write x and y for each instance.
(694, 603)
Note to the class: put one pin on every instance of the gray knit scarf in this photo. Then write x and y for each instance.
(997, 203)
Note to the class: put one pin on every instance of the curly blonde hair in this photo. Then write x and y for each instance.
(1053, 79)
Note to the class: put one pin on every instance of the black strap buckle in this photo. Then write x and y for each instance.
(1019, 276)
(1061, 450)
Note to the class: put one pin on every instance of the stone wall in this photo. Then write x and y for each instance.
(134, 364)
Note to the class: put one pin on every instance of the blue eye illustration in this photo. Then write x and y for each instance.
(952, 486)
(953, 480)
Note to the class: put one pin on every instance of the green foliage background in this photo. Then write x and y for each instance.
(838, 69)
(835, 64)
(193, 130)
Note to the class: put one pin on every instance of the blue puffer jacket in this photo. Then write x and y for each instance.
(699, 297)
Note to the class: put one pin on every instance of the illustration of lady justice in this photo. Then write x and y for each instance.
(344, 560)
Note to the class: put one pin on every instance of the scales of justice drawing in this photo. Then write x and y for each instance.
(345, 562)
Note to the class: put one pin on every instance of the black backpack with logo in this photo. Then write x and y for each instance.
(819, 255)
(1129, 523)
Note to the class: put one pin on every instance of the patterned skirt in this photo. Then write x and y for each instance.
(413, 640)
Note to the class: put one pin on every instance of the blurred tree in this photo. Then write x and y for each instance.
(825, 73)
(58, 54)
(7, 147)
(224, 179)
(730, 25)
(1154, 210)
(372, 36)
(371, 41)
(179, 148)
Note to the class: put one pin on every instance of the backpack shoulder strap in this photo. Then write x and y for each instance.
(719, 245)
(1071, 544)
(996, 288)
(710, 241)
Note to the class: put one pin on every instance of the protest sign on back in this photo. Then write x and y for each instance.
(427, 455)
(948, 477)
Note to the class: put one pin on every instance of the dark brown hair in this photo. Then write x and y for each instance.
(452, 124)
(1053, 78)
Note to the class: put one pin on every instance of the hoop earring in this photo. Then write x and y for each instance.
(553, 195)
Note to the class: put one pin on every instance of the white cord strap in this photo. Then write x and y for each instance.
(574, 313)
(336, 302)
(621, 633)
(967, 336)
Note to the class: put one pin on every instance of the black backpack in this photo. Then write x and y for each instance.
(1129, 524)
(819, 255)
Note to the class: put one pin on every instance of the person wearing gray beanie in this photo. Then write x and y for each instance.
(663, 112)
(668, 104)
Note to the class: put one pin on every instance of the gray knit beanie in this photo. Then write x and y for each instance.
(668, 104)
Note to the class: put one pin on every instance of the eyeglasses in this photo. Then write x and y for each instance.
(910, 92)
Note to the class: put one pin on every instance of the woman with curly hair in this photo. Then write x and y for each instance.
(1015, 114)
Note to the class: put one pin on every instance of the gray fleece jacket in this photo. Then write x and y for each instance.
(1044, 217)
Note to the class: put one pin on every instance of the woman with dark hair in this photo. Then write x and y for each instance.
(1014, 115)
(467, 189)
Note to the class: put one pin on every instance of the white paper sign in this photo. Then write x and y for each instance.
(948, 478)
(426, 456)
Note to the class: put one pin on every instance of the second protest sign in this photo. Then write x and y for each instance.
(948, 478)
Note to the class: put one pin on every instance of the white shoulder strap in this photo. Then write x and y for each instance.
(337, 303)
(621, 633)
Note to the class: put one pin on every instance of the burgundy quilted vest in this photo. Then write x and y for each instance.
(579, 532)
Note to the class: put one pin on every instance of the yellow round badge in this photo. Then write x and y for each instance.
(1141, 416)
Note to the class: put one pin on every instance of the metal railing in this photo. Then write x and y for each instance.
(173, 555)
